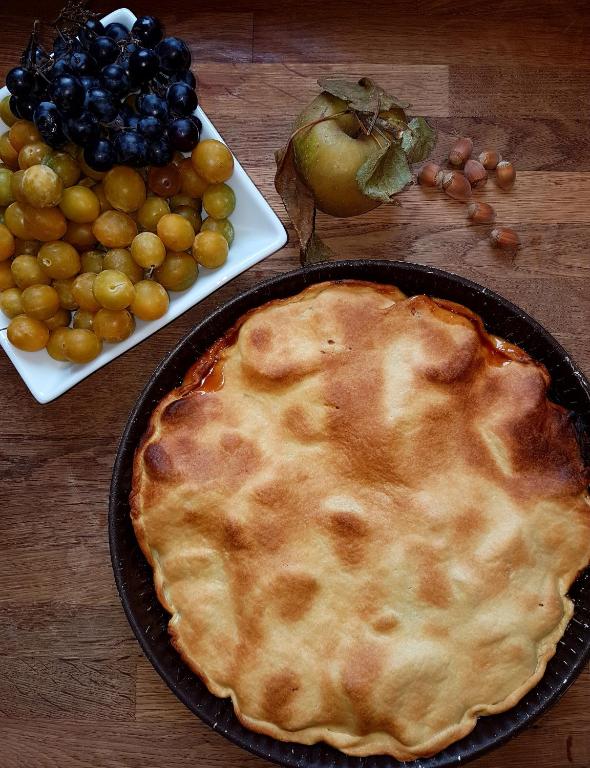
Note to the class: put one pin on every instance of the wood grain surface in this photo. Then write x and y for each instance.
(75, 689)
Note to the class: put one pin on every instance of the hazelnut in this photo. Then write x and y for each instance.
(489, 158)
(476, 173)
(481, 213)
(505, 174)
(505, 238)
(455, 184)
(427, 174)
(460, 151)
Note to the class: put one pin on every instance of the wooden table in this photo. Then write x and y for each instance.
(75, 690)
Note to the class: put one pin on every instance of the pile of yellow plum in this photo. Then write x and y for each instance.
(84, 253)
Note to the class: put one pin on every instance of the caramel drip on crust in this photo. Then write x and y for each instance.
(213, 379)
(364, 515)
(207, 372)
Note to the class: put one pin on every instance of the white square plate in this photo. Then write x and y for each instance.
(258, 233)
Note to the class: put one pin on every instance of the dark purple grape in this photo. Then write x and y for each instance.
(82, 64)
(125, 111)
(182, 99)
(104, 51)
(13, 104)
(150, 127)
(174, 54)
(132, 122)
(123, 61)
(39, 55)
(131, 148)
(40, 90)
(148, 30)
(25, 107)
(143, 65)
(123, 57)
(116, 80)
(160, 152)
(128, 117)
(184, 77)
(49, 124)
(75, 46)
(68, 94)
(100, 155)
(20, 81)
(183, 134)
(89, 82)
(92, 29)
(150, 104)
(101, 104)
(83, 129)
(60, 67)
(116, 32)
(61, 46)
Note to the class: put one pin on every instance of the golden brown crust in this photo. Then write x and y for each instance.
(363, 514)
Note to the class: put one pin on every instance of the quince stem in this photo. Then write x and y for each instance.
(315, 122)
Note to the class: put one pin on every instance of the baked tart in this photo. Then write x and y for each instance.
(363, 515)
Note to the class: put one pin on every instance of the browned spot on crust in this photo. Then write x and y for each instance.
(157, 462)
(545, 444)
(386, 622)
(270, 494)
(348, 531)
(296, 421)
(438, 631)
(236, 535)
(515, 651)
(243, 455)
(498, 565)
(362, 668)
(178, 410)
(193, 517)
(271, 535)
(451, 363)
(261, 337)
(294, 594)
(348, 524)
(468, 523)
(205, 519)
(357, 322)
(517, 555)
(199, 408)
(232, 441)
(373, 596)
(278, 693)
(363, 446)
(282, 508)
(434, 589)
(433, 584)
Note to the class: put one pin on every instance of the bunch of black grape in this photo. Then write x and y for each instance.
(126, 97)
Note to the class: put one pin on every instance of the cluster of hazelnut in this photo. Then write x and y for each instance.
(459, 184)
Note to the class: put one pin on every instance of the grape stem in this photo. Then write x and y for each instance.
(73, 16)
(42, 74)
(27, 57)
